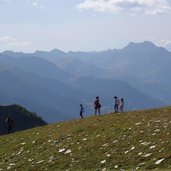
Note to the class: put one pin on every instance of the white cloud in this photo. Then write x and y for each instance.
(134, 6)
(5, 39)
(34, 3)
(12, 42)
(37, 5)
(164, 43)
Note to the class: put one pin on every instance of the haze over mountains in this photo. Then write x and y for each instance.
(54, 83)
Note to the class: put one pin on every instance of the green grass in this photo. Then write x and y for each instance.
(125, 141)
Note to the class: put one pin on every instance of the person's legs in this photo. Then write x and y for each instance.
(9, 129)
(95, 109)
(99, 111)
(81, 114)
(116, 108)
(121, 108)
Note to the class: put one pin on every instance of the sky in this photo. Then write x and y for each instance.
(83, 25)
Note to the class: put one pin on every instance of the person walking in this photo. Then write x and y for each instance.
(10, 123)
(121, 104)
(116, 104)
(97, 105)
(81, 110)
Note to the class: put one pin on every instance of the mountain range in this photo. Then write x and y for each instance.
(54, 83)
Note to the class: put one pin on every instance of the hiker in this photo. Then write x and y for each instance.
(121, 104)
(81, 110)
(10, 122)
(97, 105)
(116, 104)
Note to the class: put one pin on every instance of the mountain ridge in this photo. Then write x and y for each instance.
(23, 119)
(144, 71)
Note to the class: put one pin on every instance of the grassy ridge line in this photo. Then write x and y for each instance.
(131, 140)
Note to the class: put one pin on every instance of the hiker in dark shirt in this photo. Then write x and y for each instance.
(97, 105)
(81, 110)
(10, 123)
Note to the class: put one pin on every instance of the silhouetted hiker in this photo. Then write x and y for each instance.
(121, 104)
(81, 110)
(116, 104)
(97, 105)
(10, 123)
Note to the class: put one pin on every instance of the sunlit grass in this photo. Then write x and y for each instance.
(128, 141)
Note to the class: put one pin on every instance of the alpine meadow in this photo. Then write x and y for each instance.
(85, 85)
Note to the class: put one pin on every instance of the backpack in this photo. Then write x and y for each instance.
(96, 103)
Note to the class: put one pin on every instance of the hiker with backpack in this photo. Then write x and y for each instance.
(10, 123)
(116, 104)
(121, 104)
(97, 105)
(81, 110)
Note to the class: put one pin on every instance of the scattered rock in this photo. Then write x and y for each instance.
(103, 161)
(140, 153)
(30, 160)
(12, 164)
(139, 123)
(133, 148)
(105, 145)
(148, 155)
(157, 130)
(61, 150)
(68, 151)
(23, 143)
(51, 159)
(115, 141)
(141, 164)
(145, 143)
(154, 146)
(41, 161)
(159, 161)
(126, 152)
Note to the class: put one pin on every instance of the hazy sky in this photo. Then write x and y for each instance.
(85, 25)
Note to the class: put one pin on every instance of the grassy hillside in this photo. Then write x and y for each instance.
(135, 140)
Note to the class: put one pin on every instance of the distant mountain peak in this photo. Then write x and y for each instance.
(10, 52)
(57, 51)
(52, 53)
(145, 44)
